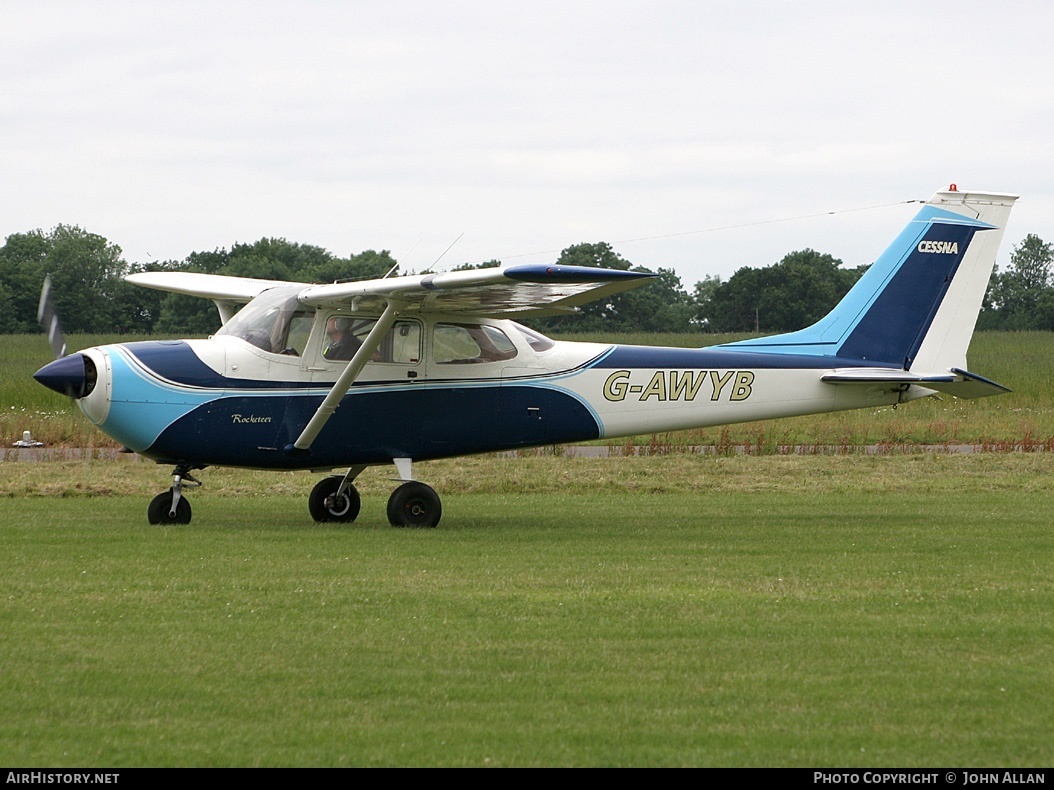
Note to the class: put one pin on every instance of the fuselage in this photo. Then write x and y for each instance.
(225, 401)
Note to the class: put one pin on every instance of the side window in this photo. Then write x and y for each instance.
(465, 344)
(299, 329)
(402, 344)
(344, 336)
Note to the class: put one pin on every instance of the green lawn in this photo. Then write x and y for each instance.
(669, 611)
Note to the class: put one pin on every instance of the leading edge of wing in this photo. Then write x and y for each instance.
(515, 290)
(209, 286)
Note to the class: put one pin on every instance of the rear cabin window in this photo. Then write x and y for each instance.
(535, 340)
(467, 344)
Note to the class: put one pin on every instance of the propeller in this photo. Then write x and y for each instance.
(49, 319)
(73, 375)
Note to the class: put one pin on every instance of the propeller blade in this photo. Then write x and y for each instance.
(49, 319)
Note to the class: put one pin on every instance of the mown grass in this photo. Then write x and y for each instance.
(1023, 361)
(663, 611)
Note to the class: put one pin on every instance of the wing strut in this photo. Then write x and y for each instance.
(347, 378)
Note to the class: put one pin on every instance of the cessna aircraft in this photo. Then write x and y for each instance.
(409, 368)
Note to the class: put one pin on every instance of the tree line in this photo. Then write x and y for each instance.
(91, 295)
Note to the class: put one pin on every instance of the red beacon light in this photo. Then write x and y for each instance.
(953, 188)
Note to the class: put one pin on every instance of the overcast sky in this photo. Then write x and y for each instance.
(687, 134)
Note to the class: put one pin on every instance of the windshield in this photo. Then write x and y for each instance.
(274, 321)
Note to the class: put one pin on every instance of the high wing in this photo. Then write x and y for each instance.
(228, 293)
(210, 286)
(514, 290)
(510, 291)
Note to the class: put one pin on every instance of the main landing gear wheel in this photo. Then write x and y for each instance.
(414, 505)
(160, 510)
(326, 504)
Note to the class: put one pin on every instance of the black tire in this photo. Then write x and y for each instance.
(159, 511)
(414, 505)
(343, 508)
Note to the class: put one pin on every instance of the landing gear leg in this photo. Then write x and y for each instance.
(171, 507)
(335, 498)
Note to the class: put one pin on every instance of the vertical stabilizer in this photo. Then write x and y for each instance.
(944, 345)
(917, 305)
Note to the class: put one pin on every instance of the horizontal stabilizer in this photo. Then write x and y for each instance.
(973, 386)
(957, 382)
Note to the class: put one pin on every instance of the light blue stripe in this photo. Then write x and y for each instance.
(141, 405)
(825, 336)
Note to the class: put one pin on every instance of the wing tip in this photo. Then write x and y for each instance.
(552, 273)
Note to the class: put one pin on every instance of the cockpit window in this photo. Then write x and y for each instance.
(274, 321)
(465, 344)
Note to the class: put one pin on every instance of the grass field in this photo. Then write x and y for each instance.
(663, 611)
(673, 609)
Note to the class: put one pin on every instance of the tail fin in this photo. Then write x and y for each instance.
(917, 305)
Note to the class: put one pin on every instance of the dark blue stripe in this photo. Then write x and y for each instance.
(719, 359)
(540, 273)
(896, 323)
(375, 427)
(176, 361)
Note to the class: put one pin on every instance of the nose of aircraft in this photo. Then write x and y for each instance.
(74, 375)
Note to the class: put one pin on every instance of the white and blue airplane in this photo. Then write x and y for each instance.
(402, 369)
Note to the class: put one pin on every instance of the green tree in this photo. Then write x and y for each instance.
(86, 275)
(1020, 298)
(702, 300)
(792, 294)
(364, 265)
(23, 264)
(276, 259)
(659, 306)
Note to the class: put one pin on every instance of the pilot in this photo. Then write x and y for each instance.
(341, 342)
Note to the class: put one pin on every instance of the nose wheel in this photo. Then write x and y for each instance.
(163, 510)
(171, 507)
